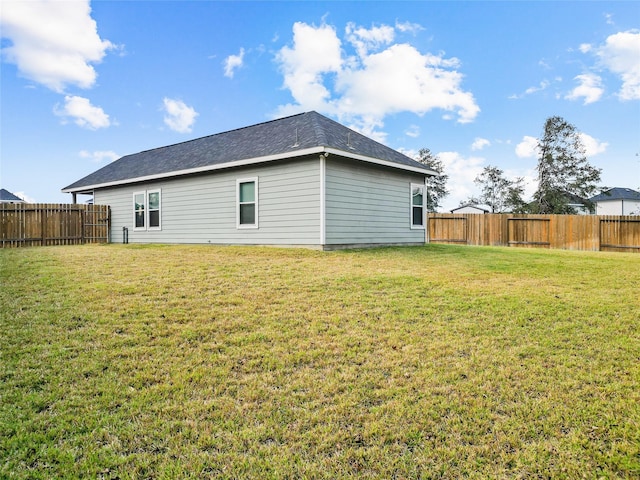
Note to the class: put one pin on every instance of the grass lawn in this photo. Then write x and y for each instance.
(124, 361)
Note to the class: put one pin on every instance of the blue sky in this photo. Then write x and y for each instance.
(85, 83)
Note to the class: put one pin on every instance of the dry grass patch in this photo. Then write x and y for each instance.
(207, 362)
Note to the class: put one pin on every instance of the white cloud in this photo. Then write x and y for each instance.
(590, 88)
(529, 177)
(413, 131)
(620, 55)
(53, 43)
(527, 148)
(409, 27)
(480, 143)
(83, 113)
(462, 173)
(591, 145)
(232, 63)
(99, 156)
(379, 78)
(409, 152)
(316, 52)
(369, 39)
(544, 64)
(25, 197)
(178, 116)
(542, 86)
(585, 47)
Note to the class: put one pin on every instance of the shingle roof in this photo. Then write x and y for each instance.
(616, 194)
(484, 208)
(293, 136)
(7, 196)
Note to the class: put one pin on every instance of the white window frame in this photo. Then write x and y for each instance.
(148, 223)
(240, 181)
(423, 187)
(144, 209)
(145, 194)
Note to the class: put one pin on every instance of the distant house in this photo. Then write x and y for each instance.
(471, 208)
(573, 204)
(579, 205)
(303, 180)
(8, 197)
(617, 201)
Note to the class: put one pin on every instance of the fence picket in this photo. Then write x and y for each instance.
(31, 224)
(568, 232)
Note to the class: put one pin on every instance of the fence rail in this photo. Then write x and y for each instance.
(32, 224)
(569, 232)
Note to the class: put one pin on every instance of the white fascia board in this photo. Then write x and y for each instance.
(377, 161)
(207, 168)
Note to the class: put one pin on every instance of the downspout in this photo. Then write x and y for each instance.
(323, 172)
(426, 210)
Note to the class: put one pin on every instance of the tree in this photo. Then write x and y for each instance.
(563, 170)
(498, 192)
(436, 185)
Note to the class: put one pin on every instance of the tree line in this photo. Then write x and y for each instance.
(564, 176)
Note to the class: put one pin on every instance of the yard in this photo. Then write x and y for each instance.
(124, 361)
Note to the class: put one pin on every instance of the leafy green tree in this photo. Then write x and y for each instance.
(563, 170)
(498, 192)
(437, 185)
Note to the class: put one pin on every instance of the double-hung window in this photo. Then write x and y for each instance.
(147, 210)
(417, 205)
(139, 211)
(247, 203)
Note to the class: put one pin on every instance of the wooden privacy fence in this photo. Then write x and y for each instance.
(31, 224)
(569, 232)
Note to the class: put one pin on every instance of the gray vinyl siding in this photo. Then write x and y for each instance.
(202, 208)
(367, 204)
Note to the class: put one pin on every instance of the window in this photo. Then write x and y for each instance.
(146, 210)
(154, 209)
(417, 205)
(138, 210)
(247, 209)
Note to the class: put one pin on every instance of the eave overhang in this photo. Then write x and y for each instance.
(88, 189)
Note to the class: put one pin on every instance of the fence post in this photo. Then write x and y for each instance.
(43, 226)
(83, 218)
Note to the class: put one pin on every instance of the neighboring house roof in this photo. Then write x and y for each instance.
(616, 194)
(7, 196)
(295, 136)
(575, 200)
(483, 208)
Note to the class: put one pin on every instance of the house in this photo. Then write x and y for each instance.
(617, 201)
(8, 197)
(566, 204)
(579, 205)
(303, 180)
(471, 208)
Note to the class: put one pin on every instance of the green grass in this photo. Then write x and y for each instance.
(222, 362)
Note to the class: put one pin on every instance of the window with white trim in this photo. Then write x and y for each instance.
(147, 210)
(417, 205)
(153, 209)
(139, 210)
(247, 203)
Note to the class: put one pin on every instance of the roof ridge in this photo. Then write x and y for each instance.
(292, 136)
